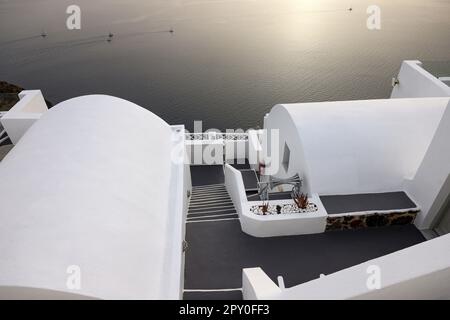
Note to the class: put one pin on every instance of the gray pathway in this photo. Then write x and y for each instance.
(219, 250)
(335, 204)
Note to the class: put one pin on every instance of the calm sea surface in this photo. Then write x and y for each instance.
(228, 61)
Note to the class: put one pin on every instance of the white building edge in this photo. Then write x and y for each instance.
(91, 188)
(97, 184)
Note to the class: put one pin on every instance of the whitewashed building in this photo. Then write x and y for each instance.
(98, 197)
(349, 148)
(92, 204)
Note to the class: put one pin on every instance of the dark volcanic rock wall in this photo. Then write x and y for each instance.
(370, 220)
(8, 95)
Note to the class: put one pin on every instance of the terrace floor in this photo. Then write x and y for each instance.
(206, 175)
(336, 204)
(218, 250)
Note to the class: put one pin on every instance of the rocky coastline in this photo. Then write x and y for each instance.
(9, 95)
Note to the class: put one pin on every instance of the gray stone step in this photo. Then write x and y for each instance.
(214, 216)
(211, 212)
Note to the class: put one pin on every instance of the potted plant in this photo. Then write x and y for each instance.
(301, 200)
(264, 207)
(278, 209)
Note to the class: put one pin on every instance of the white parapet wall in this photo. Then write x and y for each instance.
(236, 189)
(285, 224)
(24, 114)
(430, 186)
(272, 225)
(256, 285)
(180, 189)
(416, 82)
(418, 272)
(255, 149)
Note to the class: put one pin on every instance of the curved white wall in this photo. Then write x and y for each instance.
(357, 146)
(280, 119)
(89, 185)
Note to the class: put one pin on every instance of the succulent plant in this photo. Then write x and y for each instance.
(264, 207)
(301, 200)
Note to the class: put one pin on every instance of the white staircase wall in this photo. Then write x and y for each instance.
(24, 114)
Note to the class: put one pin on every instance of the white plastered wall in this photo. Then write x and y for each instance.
(356, 146)
(430, 186)
(92, 184)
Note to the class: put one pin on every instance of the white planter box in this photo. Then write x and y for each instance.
(283, 224)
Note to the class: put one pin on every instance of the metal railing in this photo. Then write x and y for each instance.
(265, 186)
(217, 136)
(2, 134)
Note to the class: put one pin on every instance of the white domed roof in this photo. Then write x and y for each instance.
(88, 185)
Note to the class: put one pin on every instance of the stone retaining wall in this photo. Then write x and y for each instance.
(370, 220)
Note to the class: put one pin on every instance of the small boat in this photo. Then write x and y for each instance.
(110, 37)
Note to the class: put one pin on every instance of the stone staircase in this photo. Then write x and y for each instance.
(211, 203)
